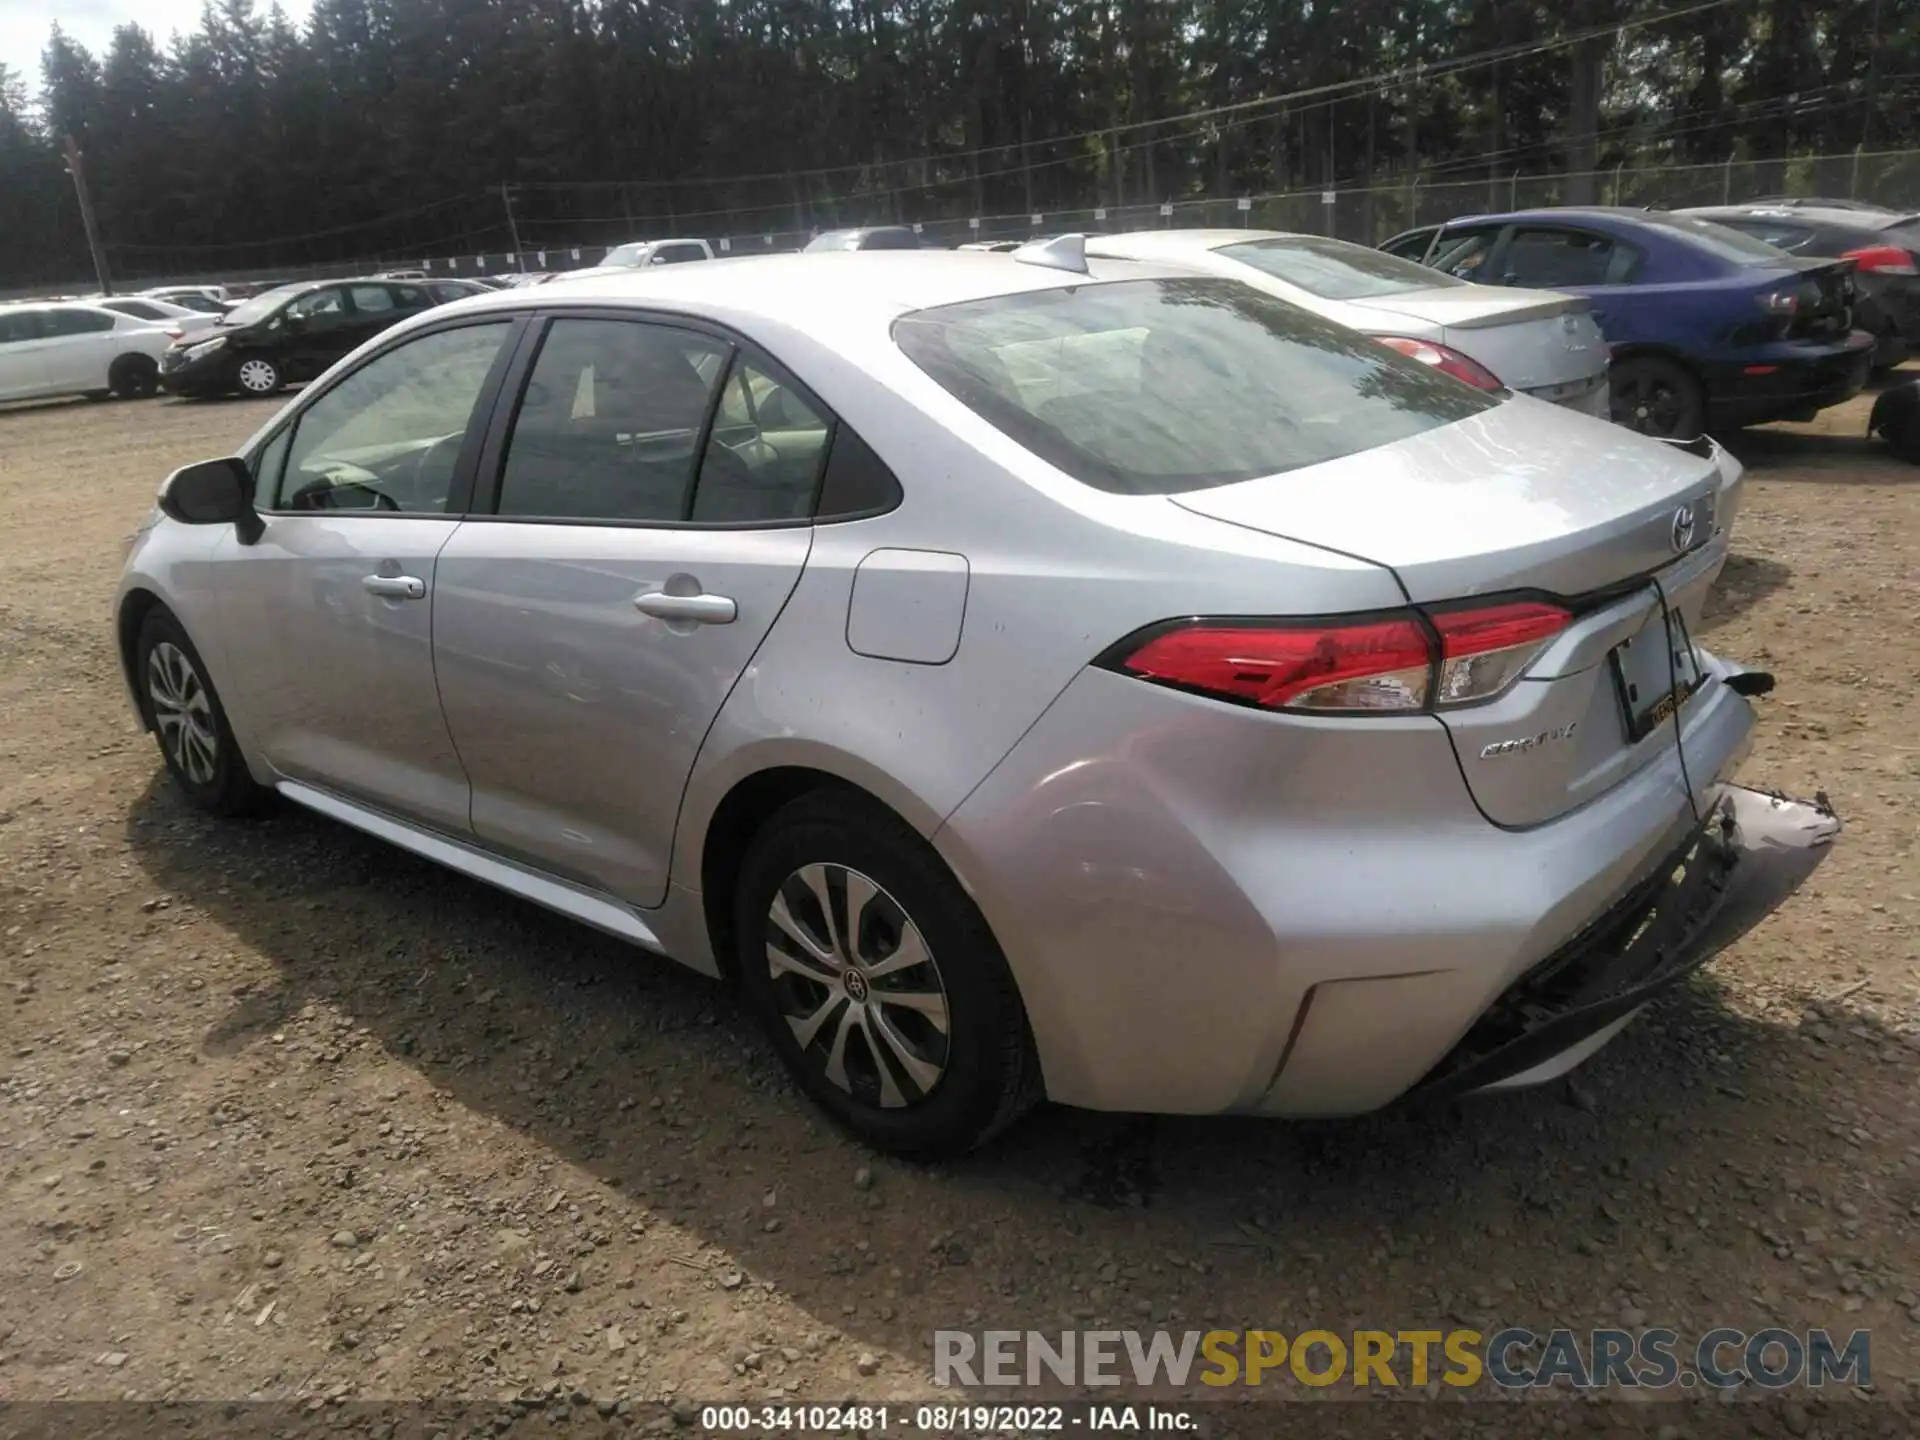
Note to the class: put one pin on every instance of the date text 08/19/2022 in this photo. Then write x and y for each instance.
(945, 1419)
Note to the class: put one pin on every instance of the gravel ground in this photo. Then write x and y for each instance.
(287, 1114)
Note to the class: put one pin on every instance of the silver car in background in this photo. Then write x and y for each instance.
(1020, 675)
(1538, 342)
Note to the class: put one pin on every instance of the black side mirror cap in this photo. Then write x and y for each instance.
(214, 492)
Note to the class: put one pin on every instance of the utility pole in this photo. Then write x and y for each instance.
(76, 167)
(513, 228)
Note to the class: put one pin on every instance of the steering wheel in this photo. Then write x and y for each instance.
(308, 495)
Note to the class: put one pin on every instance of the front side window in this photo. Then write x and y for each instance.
(1151, 387)
(18, 326)
(1549, 258)
(762, 461)
(611, 423)
(1410, 247)
(319, 310)
(1334, 269)
(1463, 254)
(387, 437)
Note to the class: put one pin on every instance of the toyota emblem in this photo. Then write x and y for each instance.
(1682, 533)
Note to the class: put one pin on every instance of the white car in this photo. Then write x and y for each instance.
(77, 349)
(212, 299)
(1495, 337)
(655, 252)
(176, 320)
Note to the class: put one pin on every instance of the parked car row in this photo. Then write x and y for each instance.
(1709, 327)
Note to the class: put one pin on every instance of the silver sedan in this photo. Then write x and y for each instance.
(1020, 675)
(1493, 336)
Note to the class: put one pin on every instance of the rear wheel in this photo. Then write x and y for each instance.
(134, 377)
(878, 980)
(257, 375)
(189, 722)
(1657, 396)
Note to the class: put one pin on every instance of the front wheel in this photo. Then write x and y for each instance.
(1658, 397)
(257, 375)
(878, 980)
(195, 740)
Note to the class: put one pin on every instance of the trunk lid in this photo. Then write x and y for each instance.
(1523, 496)
(1529, 498)
(1531, 339)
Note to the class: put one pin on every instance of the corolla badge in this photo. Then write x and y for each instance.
(1524, 743)
(1681, 536)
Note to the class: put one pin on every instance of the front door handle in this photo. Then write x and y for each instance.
(396, 587)
(698, 609)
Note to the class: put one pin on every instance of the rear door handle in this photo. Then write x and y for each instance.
(396, 587)
(699, 609)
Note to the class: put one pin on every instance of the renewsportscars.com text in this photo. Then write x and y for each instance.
(1511, 1359)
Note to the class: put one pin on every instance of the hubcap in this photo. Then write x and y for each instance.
(256, 375)
(182, 712)
(857, 985)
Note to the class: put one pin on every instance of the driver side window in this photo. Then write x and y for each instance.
(386, 437)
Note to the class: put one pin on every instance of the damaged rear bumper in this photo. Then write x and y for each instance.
(1745, 858)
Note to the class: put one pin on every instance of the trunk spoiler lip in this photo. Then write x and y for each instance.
(1538, 310)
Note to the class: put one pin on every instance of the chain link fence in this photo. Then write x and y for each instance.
(1364, 214)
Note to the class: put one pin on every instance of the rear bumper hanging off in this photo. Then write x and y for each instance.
(1751, 852)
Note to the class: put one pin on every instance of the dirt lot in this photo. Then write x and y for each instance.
(287, 1114)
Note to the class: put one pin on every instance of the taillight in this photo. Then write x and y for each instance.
(1882, 260)
(1399, 663)
(1484, 651)
(173, 333)
(1445, 359)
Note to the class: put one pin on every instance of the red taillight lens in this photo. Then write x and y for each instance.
(1882, 260)
(1484, 651)
(1445, 359)
(1373, 666)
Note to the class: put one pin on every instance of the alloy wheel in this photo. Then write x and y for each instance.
(1651, 406)
(859, 988)
(183, 713)
(258, 377)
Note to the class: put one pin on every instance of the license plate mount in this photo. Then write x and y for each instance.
(1654, 674)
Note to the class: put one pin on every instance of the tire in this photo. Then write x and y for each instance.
(1657, 396)
(196, 742)
(256, 375)
(932, 1095)
(134, 377)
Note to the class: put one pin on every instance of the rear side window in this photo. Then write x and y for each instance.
(1152, 387)
(763, 456)
(19, 325)
(611, 423)
(1335, 270)
(139, 309)
(76, 322)
(372, 299)
(1718, 240)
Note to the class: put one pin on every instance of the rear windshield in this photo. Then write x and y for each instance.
(1726, 243)
(1151, 387)
(1335, 270)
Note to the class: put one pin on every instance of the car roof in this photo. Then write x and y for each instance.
(825, 288)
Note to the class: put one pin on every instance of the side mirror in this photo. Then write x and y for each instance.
(214, 492)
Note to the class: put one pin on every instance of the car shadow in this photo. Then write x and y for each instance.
(1744, 581)
(1813, 457)
(1627, 1187)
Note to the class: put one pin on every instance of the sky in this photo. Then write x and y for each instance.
(25, 24)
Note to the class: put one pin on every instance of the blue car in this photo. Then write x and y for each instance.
(1709, 328)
